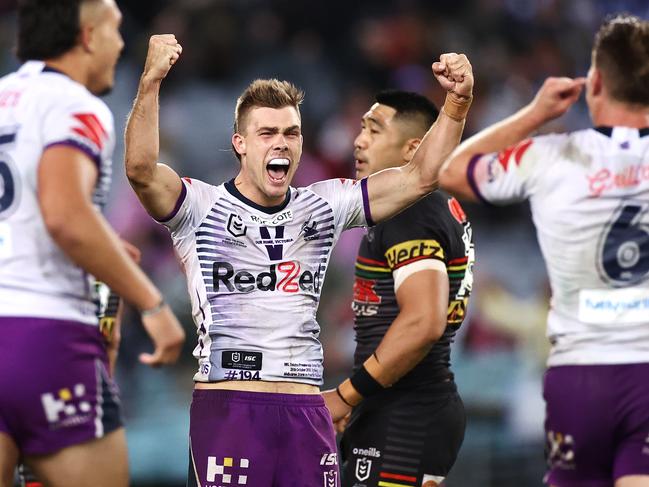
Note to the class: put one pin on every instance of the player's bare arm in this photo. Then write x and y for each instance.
(85, 236)
(554, 99)
(394, 189)
(423, 303)
(156, 185)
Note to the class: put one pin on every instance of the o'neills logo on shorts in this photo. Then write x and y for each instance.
(368, 452)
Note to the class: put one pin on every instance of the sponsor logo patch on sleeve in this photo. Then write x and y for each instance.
(413, 250)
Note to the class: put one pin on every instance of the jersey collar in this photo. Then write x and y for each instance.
(232, 189)
(608, 131)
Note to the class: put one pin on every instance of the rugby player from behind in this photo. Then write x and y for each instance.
(589, 193)
(255, 252)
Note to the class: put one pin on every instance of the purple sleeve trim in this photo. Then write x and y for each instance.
(470, 176)
(94, 157)
(366, 203)
(179, 202)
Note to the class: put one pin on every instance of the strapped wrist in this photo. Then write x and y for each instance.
(457, 106)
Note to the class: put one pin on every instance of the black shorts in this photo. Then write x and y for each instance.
(405, 438)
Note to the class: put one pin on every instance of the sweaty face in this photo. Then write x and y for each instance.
(270, 146)
(380, 142)
(106, 43)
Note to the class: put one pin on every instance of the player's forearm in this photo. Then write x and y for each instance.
(436, 146)
(85, 237)
(408, 340)
(406, 343)
(142, 137)
(453, 174)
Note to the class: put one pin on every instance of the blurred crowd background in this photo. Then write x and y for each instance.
(341, 52)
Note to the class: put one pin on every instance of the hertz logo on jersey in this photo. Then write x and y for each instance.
(413, 250)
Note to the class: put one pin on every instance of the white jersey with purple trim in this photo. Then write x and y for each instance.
(589, 194)
(41, 108)
(254, 275)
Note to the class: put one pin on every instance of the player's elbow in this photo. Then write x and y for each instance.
(139, 171)
(61, 227)
(429, 329)
(448, 178)
(454, 181)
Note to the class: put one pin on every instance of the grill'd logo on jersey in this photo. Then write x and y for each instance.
(605, 180)
(287, 277)
(413, 250)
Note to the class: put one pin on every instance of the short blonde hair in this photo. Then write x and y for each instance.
(270, 93)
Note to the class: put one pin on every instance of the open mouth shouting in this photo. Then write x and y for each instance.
(277, 170)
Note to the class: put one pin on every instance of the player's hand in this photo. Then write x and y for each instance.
(556, 96)
(341, 424)
(454, 73)
(336, 406)
(167, 336)
(132, 251)
(164, 51)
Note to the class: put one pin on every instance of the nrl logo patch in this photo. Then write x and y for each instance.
(236, 226)
(363, 468)
(331, 478)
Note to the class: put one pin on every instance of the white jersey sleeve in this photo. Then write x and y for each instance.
(515, 173)
(82, 122)
(195, 200)
(348, 199)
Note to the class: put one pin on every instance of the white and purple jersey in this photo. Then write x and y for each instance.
(254, 275)
(589, 194)
(42, 108)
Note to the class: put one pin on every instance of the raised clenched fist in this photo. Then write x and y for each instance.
(164, 51)
(454, 73)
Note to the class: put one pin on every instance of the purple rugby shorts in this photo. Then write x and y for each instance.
(55, 390)
(261, 439)
(597, 423)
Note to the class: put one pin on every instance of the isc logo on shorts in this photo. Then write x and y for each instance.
(64, 407)
(215, 469)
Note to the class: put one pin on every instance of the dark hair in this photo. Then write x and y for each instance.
(270, 93)
(621, 54)
(47, 28)
(410, 106)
